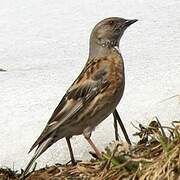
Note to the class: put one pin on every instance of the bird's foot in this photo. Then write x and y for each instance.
(94, 155)
(75, 162)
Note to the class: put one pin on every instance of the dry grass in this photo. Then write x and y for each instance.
(155, 157)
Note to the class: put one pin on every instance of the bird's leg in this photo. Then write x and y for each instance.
(94, 147)
(70, 151)
(117, 118)
(116, 129)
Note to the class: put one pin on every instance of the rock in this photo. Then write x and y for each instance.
(2, 70)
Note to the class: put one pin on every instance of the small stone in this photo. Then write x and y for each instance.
(2, 70)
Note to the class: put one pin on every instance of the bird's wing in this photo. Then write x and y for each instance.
(79, 94)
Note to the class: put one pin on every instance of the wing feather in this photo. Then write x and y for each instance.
(73, 102)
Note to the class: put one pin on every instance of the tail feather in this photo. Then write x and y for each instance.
(25, 172)
(40, 149)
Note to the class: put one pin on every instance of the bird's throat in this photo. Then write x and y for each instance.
(102, 49)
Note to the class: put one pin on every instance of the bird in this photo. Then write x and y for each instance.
(94, 95)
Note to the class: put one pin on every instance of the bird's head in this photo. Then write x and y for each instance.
(109, 31)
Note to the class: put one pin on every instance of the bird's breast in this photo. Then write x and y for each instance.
(116, 74)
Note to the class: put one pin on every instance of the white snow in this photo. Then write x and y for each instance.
(44, 45)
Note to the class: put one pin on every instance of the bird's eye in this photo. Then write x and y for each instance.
(111, 22)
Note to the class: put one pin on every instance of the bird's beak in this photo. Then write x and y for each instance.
(128, 22)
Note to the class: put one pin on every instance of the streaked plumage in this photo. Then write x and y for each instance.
(95, 93)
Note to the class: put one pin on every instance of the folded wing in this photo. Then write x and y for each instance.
(74, 101)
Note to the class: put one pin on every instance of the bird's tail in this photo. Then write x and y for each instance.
(40, 149)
